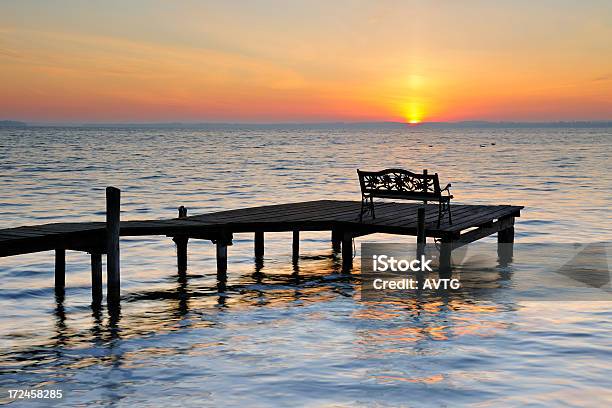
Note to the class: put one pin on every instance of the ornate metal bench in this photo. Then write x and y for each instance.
(403, 184)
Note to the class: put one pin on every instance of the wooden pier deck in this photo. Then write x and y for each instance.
(321, 215)
(470, 223)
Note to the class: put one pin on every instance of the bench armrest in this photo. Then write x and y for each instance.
(447, 188)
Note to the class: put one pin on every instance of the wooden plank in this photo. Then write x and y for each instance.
(391, 228)
(62, 228)
(383, 211)
(263, 209)
(314, 219)
(406, 224)
(489, 214)
(311, 213)
(431, 218)
(328, 214)
(278, 209)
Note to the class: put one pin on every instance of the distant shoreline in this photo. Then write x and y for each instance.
(316, 125)
(12, 124)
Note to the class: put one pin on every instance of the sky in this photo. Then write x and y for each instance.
(305, 61)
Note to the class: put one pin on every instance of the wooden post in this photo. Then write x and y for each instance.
(421, 237)
(259, 244)
(221, 259)
(347, 251)
(181, 253)
(113, 203)
(60, 269)
(223, 240)
(181, 245)
(296, 247)
(96, 277)
(336, 239)
(425, 184)
(505, 245)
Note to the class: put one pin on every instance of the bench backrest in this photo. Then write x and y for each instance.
(399, 183)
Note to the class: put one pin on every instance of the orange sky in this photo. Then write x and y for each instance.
(273, 61)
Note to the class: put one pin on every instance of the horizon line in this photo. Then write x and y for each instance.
(298, 123)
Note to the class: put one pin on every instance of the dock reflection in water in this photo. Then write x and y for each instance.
(270, 321)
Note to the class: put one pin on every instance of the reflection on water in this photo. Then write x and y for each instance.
(283, 333)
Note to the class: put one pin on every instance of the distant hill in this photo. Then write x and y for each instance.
(12, 123)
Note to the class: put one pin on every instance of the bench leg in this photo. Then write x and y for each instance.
(372, 207)
(439, 212)
(450, 217)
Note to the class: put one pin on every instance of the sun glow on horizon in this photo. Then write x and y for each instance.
(413, 112)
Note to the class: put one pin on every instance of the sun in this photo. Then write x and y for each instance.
(414, 112)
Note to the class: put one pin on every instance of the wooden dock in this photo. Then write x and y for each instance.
(341, 218)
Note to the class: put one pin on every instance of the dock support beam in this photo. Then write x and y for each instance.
(259, 244)
(347, 251)
(96, 277)
(336, 239)
(113, 203)
(60, 269)
(296, 247)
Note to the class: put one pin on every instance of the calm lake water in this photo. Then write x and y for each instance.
(277, 337)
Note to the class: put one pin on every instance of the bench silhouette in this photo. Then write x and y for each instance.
(405, 185)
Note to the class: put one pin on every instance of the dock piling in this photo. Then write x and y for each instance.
(181, 253)
(181, 245)
(113, 203)
(221, 259)
(259, 244)
(222, 241)
(60, 269)
(505, 247)
(347, 251)
(336, 239)
(96, 277)
(296, 247)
